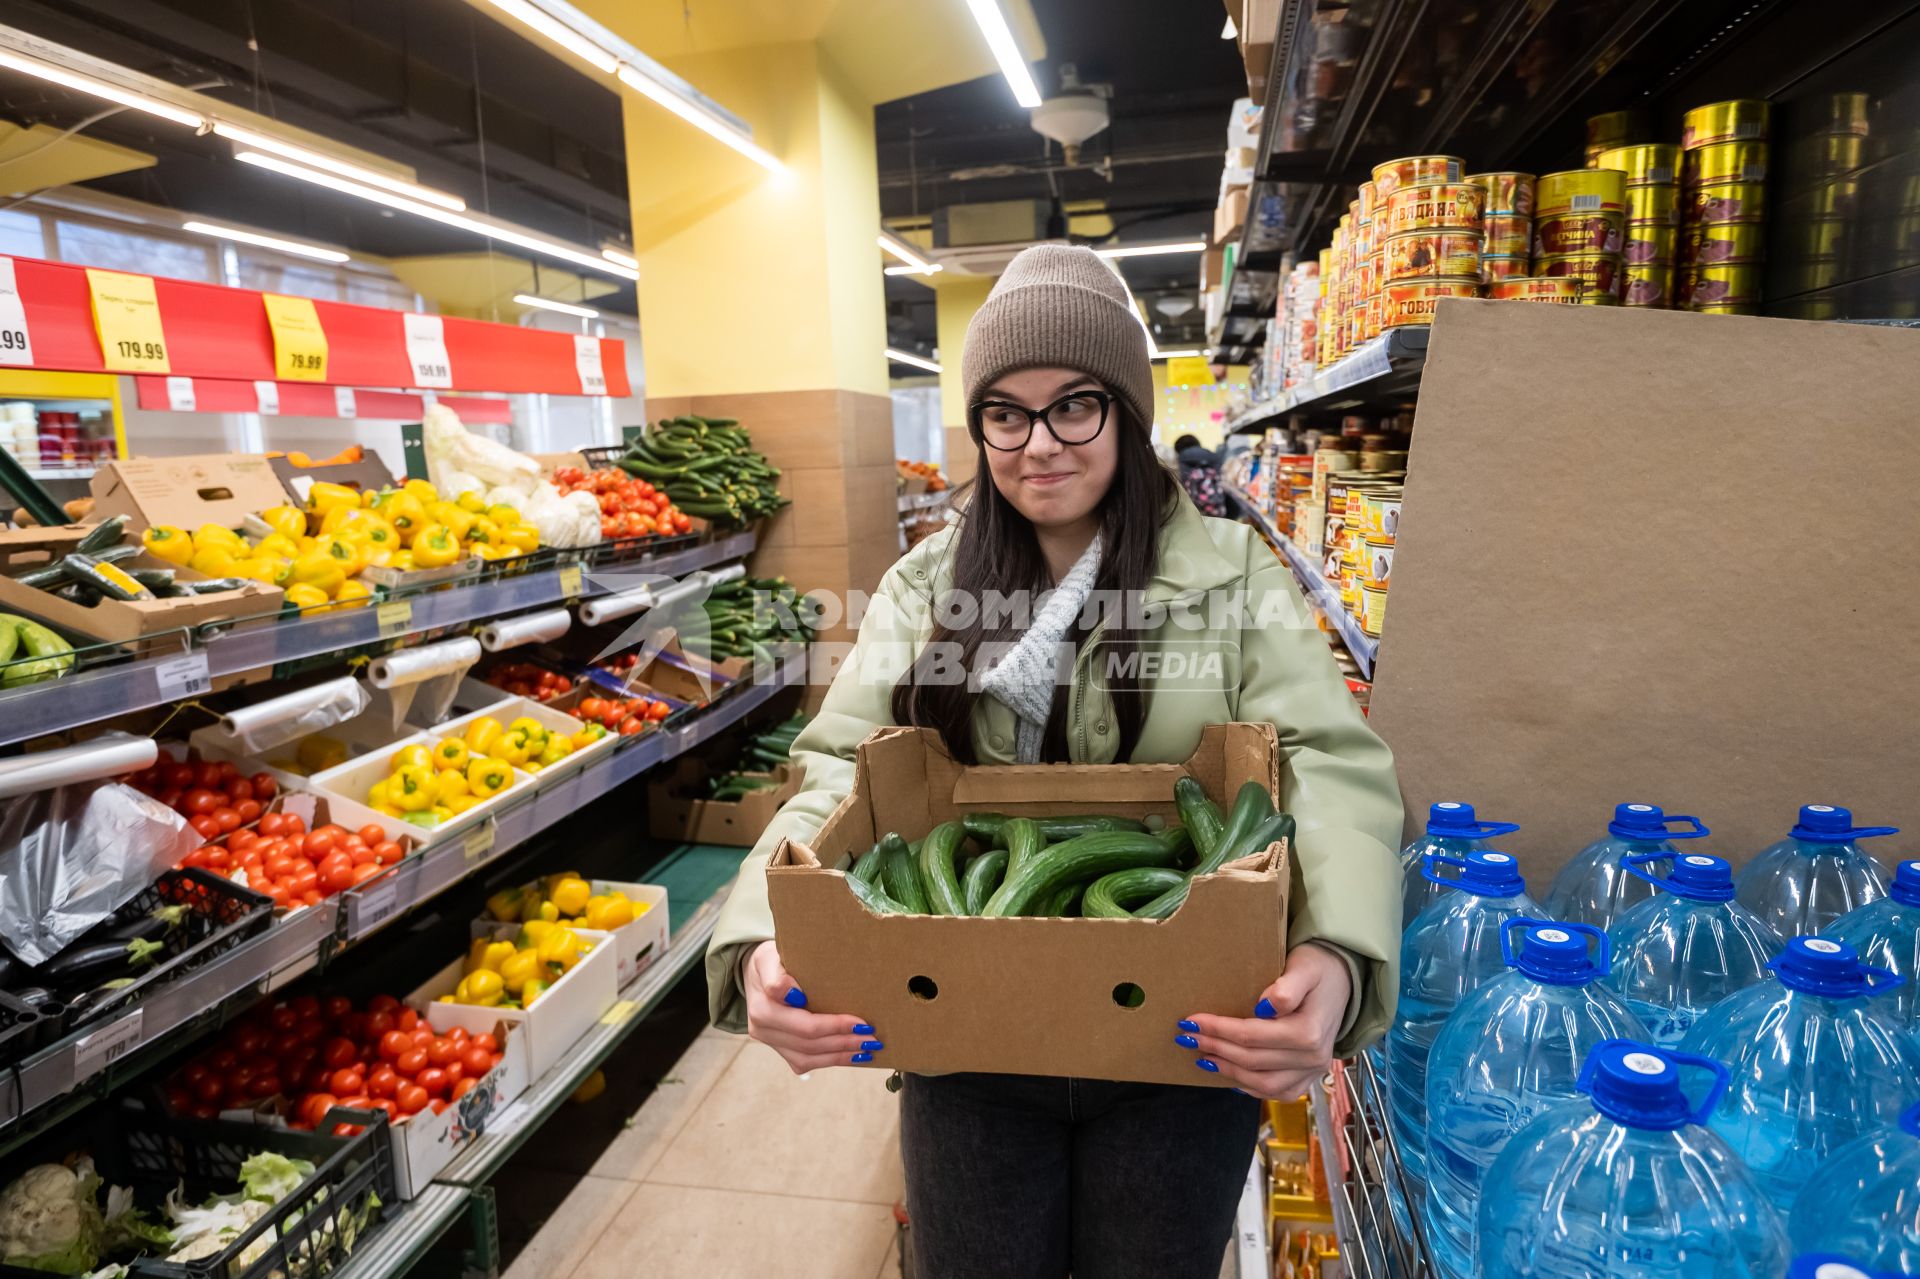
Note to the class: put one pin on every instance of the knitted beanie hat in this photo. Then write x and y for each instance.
(1060, 305)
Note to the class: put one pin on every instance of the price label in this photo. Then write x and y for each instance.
(15, 346)
(586, 358)
(299, 343)
(570, 580)
(479, 842)
(180, 394)
(394, 617)
(621, 1011)
(371, 907)
(126, 319)
(268, 393)
(344, 403)
(104, 1047)
(183, 677)
(427, 350)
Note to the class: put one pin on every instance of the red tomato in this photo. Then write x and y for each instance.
(411, 1062)
(395, 1044)
(459, 1036)
(264, 787)
(388, 853)
(210, 1090)
(476, 1061)
(383, 1004)
(441, 1051)
(337, 1052)
(336, 873)
(361, 874)
(362, 857)
(311, 897)
(209, 774)
(238, 789)
(347, 1130)
(347, 1083)
(249, 810)
(318, 844)
(281, 894)
(379, 1022)
(305, 1006)
(411, 1099)
(205, 827)
(273, 825)
(383, 1105)
(296, 824)
(268, 1086)
(178, 776)
(304, 879)
(434, 1080)
(371, 834)
(407, 1019)
(463, 1087)
(422, 1035)
(226, 819)
(242, 839)
(486, 1041)
(384, 1081)
(179, 1099)
(438, 1106)
(248, 1040)
(455, 1072)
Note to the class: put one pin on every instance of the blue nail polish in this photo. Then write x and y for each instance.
(1207, 1066)
(1186, 1041)
(861, 1028)
(795, 998)
(1265, 1009)
(1193, 1026)
(871, 1045)
(860, 1059)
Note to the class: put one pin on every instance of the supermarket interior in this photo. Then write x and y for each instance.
(722, 638)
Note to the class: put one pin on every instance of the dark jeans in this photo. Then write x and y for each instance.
(1018, 1176)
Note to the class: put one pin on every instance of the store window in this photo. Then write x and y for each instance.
(120, 249)
(298, 281)
(22, 235)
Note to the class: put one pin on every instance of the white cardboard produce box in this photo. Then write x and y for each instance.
(425, 1143)
(567, 1011)
(645, 939)
(346, 786)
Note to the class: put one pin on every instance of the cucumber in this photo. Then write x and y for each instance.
(899, 878)
(1074, 861)
(102, 535)
(1059, 828)
(871, 896)
(984, 874)
(1180, 840)
(935, 863)
(1278, 826)
(215, 585)
(109, 579)
(9, 639)
(988, 828)
(56, 653)
(49, 576)
(1111, 896)
(1274, 827)
(866, 868)
(1024, 841)
(1251, 806)
(1062, 903)
(154, 579)
(1200, 815)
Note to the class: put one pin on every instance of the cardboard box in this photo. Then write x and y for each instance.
(637, 944)
(1231, 215)
(186, 492)
(566, 1012)
(677, 809)
(944, 991)
(298, 481)
(425, 1143)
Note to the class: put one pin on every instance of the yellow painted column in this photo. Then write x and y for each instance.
(955, 302)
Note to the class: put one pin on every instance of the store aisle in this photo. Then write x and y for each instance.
(733, 1166)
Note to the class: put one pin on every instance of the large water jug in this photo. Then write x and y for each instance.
(1814, 1063)
(1594, 887)
(1629, 1186)
(1452, 948)
(1864, 1201)
(1452, 831)
(1831, 1265)
(1815, 875)
(1683, 951)
(1887, 935)
(1511, 1049)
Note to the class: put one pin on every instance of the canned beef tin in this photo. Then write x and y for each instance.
(1601, 271)
(1415, 254)
(1373, 609)
(1435, 206)
(1379, 560)
(1579, 233)
(1726, 162)
(1650, 242)
(1646, 164)
(1412, 301)
(1648, 284)
(1504, 267)
(1724, 243)
(1726, 202)
(1538, 288)
(1719, 285)
(1609, 130)
(1654, 204)
(1510, 194)
(1581, 191)
(1394, 174)
(1508, 235)
(1736, 121)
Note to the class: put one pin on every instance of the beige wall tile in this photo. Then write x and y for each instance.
(682, 1232)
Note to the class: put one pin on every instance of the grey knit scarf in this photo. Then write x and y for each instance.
(1025, 678)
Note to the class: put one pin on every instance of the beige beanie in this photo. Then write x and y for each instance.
(1060, 305)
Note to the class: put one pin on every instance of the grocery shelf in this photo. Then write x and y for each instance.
(1252, 1255)
(404, 1233)
(61, 473)
(1386, 369)
(921, 501)
(1318, 591)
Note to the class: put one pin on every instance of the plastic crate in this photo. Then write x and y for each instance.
(22, 1030)
(222, 915)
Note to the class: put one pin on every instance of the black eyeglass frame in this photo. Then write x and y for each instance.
(975, 411)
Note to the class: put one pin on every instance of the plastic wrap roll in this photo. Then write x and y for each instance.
(279, 720)
(111, 755)
(410, 666)
(721, 576)
(533, 628)
(607, 608)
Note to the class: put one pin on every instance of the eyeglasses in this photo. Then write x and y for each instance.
(1075, 418)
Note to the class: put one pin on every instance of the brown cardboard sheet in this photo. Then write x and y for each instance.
(186, 492)
(1657, 556)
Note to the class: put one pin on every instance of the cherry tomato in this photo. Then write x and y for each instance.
(379, 1022)
(395, 1044)
(204, 826)
(273, 825)
(209, 1090)
(238, 789)
(249, 810)
(455, 1072)
(347, 1130)
(411, 1062)
(242, 839)
(463, 1087)
(383, 1004)
(411, 1099)
(407, 1019)
(459, 1036)
(486, 1041)
(361, 874)
(336, 873)
(281, 894)
(268, 1086)
(201, 800)
(441, 1051)
(476, 1061)
(179, 776)
(304, 879)
(384, 1081)
(371, 834)
(247, 1039)
(296, 824)
(383, 1105)
(434, 1080)
(264, 787)
(348, 1083)
(387, 852)
(362, 857)
(337, 1052)
(226, 819)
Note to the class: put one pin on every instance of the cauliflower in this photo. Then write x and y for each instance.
(50, 1219)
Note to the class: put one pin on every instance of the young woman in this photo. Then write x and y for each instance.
(1014, 1176)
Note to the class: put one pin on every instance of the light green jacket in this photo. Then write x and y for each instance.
(1336, 778)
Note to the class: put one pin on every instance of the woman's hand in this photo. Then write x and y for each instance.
(777, 1016)
(1288, 1042)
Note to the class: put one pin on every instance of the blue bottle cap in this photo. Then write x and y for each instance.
(1826, 1265)
(1910, 1120)
(1826, 824)
(1906, 884)
(1822, 966)
(1484, 872)
(1696, 876)
(1555, 953)
(1639, 1085)
(1647, 822)
(1451, 819)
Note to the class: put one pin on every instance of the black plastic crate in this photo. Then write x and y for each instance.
(222, 914)
(21, 1030)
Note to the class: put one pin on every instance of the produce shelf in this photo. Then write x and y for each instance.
(1318, 591)
(921, 501)
(1384, 370)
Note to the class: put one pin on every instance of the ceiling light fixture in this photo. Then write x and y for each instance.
(548, 304)
(487, 227)
(1006, 51)
(101, 89)
(1180, 355)
(1152, 250)
(559, 32)
(266, 241)
(899, 248)
(619, 257)
(918, 362)
(932, 268)
(696, 114)
(320, 160)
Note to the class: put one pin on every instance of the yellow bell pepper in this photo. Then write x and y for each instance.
(450, 752)
(524, 538)
(389, 810)
(488, 777)
(520, 968)
(435, 546)
(448, 786)
(533, 907)
(604, 914)
(440, 813)
(472, 501)
(411, 788)
(486, 552)
(215, 559)
(219, 535)
(320, 752)
(527, 724)
(324, 497)
(345, 555)
(408, 756)
(531, 932)
(558, 748)
(480, 734)
(532, 991)
(496, 953)
(306, 597)
(482, 987)
(376, 556)
(477, 954)
(352, 595)
(560, 949)
(450, 514)
(316, 568)
(271, 569)
(402, 562)
(421, 490)
(288, 521)
(503, 515)
(374, 530)
(505, 905)
(276, 544)
(484, 532)
(404, 511)
(377, 793)
(164, 541)
(369, 497)
(571, 895)
(337, 518)
(462, 803)
(512, 747)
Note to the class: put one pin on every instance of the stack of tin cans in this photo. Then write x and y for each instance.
(1610, 130)
(1580, 229)
(1832, 159)
(1653, 218)
(1508, 235)
(1723, 175)
(1434, 237)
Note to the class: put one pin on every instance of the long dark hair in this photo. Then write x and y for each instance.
(996, 551)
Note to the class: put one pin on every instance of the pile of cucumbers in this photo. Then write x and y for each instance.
(708, 466)
(758, 756)
(1096, 867)
(746, 615)
(91, 572)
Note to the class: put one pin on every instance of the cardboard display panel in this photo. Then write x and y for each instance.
(1662, 557)
(186, 492)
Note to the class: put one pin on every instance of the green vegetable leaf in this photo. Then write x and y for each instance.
(272, 1177)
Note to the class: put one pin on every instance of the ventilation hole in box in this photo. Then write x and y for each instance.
(1128, 995)
(923, 988)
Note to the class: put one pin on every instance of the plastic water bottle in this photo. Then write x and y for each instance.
(1831, 1265)
(1815, 875)
(1814, 1063)
(1680, 953)
(1865, 1200)
(1452, 831)
(1629, 1185)
(1593, 888)
(1887, 935)
(1452, 949)
(1511, 1049)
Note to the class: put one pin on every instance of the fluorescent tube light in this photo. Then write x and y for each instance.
(993, 25)
(102, 89)
(266, 241)
(620, 257)
(699, 117)
(558, 32)
(1152, 250)
(548, 304)
(1180, 355)
(321, 160)
(918, 362)
(932, 268)
(899, 248)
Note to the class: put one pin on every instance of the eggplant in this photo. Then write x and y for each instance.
(86, 999)
(11, 970)
(37, 998)
(92, 963)
(149, 926)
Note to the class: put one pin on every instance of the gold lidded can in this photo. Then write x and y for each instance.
(1412, 301)
(1580, 191)
(1377, 560)
(1510, 194)
(1612, 129)
(1579, 233)
(1724, 243)
(1435, 206)
(1538, 288)
(1847, 113)
(1373, 609)
(1654, 204)
(1702, 286)
(1725, 202)
(1508, 234)
(1740, 120)
(1832, 153)
(1422, 254)
(1394, 174)
(1601, 271)
(1648, 284)
(1369, 198)
(1644, 163)
(1824, 239)
(1504, 267)
(1725, 162)
(1649, 242)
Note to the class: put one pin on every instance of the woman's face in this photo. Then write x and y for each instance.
(1051, 483)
